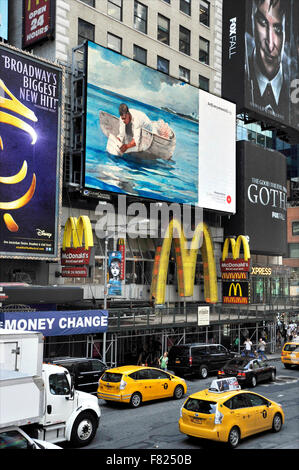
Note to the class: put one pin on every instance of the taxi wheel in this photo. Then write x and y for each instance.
(178, 392)
(253, 381)
(234, 437)
(287, 366)
(203, 372)
(277, 423)
(135, 400)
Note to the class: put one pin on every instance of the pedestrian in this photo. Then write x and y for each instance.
(261, 349)
(248, 346)
(163, 361)
(236, 343)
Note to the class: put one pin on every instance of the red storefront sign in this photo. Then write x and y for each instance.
(38, 20)
(75, 256)
(74, 271)
(122, 249)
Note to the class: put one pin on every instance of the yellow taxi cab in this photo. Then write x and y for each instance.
(290, 353)
(226, 413)
(136, 384)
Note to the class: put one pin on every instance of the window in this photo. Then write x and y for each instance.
(97, 365)
(59, 384)
(163, 29)
(293, 250)
(184, 41)
(256, 400)
(158, 374)
(84, 367)
(200, 406)
(184, 74)
(204, 51)
(204, 83)
(140, 54)
(295, 229)
(238, 401)
(114, 42)
(162, 65)
(204, 13)
(167, 1)
(115, 9)
(91, 3)
(140, 17)
(185, 6)
(85, 31)
(13, 440)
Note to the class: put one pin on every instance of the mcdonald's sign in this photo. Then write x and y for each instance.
(186, 263)
(76, 245)
(235, 271)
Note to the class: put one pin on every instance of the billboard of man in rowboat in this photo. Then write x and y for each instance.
(141, 130)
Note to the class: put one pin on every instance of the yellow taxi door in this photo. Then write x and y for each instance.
(242, 415)
(262, 412)
(144, 385)
(161, 383)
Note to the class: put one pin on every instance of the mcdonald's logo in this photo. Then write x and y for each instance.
(235, 288)
(77, 242)
(236, 247)
(186, 263)
(235, 264)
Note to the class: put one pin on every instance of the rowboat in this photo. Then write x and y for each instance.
(152, 145)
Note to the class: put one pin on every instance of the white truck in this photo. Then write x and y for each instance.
(40, 398)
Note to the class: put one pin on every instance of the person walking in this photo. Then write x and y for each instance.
(261, 349)
(163, 361)
(248, 346)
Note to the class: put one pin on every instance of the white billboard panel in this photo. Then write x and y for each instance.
(217, 153)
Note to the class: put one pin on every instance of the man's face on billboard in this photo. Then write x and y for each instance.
(269, 37)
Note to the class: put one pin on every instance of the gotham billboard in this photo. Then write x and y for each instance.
(260, 61)
(262, 202)
(30, 148)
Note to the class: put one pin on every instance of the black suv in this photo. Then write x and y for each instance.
(197, 358)
(86, 372)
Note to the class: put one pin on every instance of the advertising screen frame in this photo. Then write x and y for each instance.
(151, 104)
(244, 58)
(4, 19)
(49, 34)
(54, 204)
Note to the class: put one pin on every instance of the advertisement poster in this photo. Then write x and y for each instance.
(261, 59)
(30, 148)
(114, 272)
(4, 19)
(163, 164)
(38, 21)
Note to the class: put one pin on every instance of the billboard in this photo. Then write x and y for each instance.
(260, 61)
(114, 268)
(4, 19)
(31, 161)
(262, 202)
(142, 132)
(38, 21)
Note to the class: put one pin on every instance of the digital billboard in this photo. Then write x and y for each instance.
(38, 21)
(260, 61)
(30, 148)
(262, 199)
(142, 132)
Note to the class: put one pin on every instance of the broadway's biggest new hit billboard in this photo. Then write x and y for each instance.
(147, 135)
(260, 60)
(30, 173)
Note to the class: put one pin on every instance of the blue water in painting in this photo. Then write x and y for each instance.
(175, 180)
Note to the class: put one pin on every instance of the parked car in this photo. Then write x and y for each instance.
(86, 372)
(248, 371)
(197, 359)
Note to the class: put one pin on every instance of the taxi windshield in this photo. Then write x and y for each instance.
(291, 347)
(200, 406)
(111, 377)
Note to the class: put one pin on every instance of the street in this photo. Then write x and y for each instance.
(154, 425)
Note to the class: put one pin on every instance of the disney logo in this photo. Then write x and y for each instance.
(41, 233)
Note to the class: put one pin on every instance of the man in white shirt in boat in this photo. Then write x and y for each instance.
(131, 122)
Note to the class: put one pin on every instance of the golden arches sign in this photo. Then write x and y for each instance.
(236, 247)
(75, 231)
(235, 288)
(186, 263)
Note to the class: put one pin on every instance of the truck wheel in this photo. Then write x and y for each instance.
(178, 392)
(84, 429)
(135, 400)
(203, 372)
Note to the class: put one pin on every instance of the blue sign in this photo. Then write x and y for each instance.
(114, 263)
(4, 19)
(74, 322)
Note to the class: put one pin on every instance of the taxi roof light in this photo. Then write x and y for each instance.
(224, 385)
